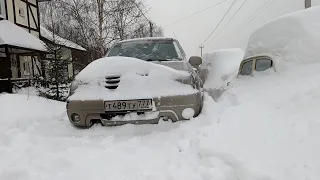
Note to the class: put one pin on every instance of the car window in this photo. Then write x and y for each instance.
(146, 50)
(246, 68)
(181, 49)
(263, 64)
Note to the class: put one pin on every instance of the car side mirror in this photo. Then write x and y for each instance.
(195, 61)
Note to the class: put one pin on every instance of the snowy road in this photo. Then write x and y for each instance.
(39, 143)
(264, 127)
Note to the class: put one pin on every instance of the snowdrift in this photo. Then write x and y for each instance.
(139, 79)
(221, 67)
(292, 38)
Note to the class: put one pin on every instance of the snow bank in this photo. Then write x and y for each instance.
(11, 34)
(221, 66)
(271, 122)
(139, 79)
(291, 38)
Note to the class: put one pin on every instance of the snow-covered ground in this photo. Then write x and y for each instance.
(263, 127)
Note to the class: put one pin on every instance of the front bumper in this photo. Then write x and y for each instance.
(170, 107)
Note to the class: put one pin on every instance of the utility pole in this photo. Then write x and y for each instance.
(201, 47)
(151, 29)
(307, 3)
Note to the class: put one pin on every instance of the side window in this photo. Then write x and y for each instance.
(246, 68)
(263, 64)
(178, 49)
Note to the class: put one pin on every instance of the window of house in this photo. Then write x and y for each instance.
(21, 11)
(2, 10)
(246, 68)
(263, 64)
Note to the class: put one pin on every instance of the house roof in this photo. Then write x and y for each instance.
(45, 33)
(13, 35)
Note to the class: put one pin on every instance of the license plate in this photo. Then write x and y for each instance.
(130, 105)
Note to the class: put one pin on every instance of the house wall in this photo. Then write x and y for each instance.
(24, 13)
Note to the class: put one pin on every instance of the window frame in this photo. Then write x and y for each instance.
(254, 59)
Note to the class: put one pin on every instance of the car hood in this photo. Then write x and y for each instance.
(118, 66)
(114, 78)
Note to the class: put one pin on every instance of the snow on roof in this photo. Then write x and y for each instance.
(59, 40)
(293, 37)
(147, 39)
(11, 34)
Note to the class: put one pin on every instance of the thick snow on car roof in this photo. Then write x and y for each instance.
(293, 38)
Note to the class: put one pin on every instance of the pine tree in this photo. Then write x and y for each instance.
(57, 78)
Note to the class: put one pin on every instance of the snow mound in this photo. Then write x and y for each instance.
(292, 38)
(139, 79)
(271, 122)
(222, 66)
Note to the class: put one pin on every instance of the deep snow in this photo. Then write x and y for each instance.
(222, 66)
(263, 127)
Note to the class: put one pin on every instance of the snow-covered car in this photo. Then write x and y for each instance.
(140, 81)
(285, 41)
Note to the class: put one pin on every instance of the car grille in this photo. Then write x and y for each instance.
(112, 82)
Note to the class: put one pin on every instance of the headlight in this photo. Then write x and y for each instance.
(73, 88)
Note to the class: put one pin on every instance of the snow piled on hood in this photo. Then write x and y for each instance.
(139, 79)
(291, 38)
(222, 66)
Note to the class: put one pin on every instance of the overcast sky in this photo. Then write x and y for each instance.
(193, 31)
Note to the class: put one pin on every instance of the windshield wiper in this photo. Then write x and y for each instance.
(156, 60)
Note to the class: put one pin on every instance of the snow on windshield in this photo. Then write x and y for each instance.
(146, 50)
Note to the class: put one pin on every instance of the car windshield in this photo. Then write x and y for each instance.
(149, 50)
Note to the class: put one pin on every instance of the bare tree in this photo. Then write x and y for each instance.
(97, 24)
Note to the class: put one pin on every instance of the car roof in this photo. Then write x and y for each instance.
(147, 39)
